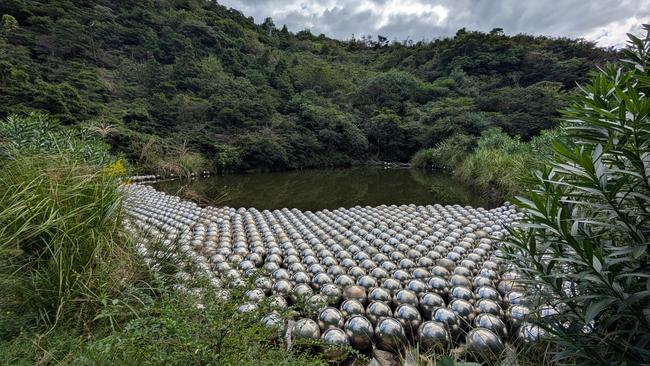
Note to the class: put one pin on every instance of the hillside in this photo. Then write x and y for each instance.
(190, 79)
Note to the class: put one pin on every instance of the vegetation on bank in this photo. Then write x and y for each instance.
(186, 84)
(495, 163)
(583, 246)
(74, 290)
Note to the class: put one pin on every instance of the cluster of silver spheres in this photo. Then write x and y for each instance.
(150, 178)
(366, 277)
(144, 178)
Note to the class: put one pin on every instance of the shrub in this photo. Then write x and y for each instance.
(62, 249)
(583, 246)
(494, 138)
(24, 135)
(423, 158)
(494, 171)
(62, 252)
(447, 155)
(175, 331)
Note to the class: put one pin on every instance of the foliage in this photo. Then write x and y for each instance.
(175, 331)
(446, 155)
(198, 72)
(494, 172)
(583, 246)
(495, 163)
(172, 329)
(63, 256)
(34, 134)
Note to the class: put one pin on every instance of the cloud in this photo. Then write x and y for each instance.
(603, 21)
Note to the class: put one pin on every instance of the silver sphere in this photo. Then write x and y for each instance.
(406, 297)
(517, 314)
(301, 293)
(377, 311)
(352, 307)
(247, 307)
(462, 292)
(255, 295)
(390, 335)
(391, 285)
(487, 292)
(438, 285)
(449, 319)
(330, 317)
(335, 341)
(305, 329)
(344, 281)
(332, 292)
(458, 280)
(432, 334)
(515, 298)
(410, 318)
(485, 343)
(277, 302)
(356, 292)
(275, 324)
(282, 288)
(360, 332)
(487, 306)
(315, 303)
(491, 322)
(463, 309)
(320, 280)
(529, 333)
(417, 286)
(265, 284)
(380, 294)
(429, 303)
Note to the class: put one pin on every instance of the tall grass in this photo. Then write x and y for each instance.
(446, 155)
(62, 249)
(159, 157)
(63, 254)
(501, 165)
(494, 171)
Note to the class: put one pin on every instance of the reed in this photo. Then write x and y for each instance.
(62, 250)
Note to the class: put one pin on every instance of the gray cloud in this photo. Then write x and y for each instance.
(604, 21)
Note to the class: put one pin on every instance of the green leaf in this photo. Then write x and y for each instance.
(594, 309)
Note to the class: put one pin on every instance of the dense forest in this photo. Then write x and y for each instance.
(173, 80)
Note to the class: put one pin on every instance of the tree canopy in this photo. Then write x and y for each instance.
(197, 72)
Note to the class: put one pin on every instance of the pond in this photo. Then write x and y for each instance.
(319, 189)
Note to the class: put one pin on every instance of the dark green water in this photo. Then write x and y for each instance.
(328, 188)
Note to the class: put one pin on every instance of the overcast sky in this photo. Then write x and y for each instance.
(604, 21)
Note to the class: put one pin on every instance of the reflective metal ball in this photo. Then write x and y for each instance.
(330, 317)
(352, 307)
(405, 297)
(429, 303)
(335, 340)
(274, 322)
(449, 319)
(360, 332)
(305, 329)
(491, 322)
(485, 343)
(355, 292)
(432, 334)
(390, 335)
(410, 318)
(378, 310)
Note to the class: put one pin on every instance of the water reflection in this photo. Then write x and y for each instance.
(328, 188)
